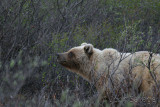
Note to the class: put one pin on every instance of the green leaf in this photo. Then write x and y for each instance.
(12, 63)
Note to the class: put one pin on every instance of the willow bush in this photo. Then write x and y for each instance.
(33, 31)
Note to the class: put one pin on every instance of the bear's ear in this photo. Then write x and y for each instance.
(83, 44)
(88, 49)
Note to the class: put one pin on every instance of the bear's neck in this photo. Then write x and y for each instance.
(101, 64)
(94, 69)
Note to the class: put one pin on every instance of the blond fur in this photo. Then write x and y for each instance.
(110, 63)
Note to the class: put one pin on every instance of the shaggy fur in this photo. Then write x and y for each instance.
(108, 69)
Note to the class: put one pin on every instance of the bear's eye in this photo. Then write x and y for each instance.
(70, 54)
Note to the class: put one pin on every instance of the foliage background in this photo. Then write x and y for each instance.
(33, 31)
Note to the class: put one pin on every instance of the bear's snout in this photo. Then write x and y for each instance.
(58, 56)
(61, 57)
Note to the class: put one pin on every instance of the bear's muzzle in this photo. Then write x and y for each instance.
(61, 57)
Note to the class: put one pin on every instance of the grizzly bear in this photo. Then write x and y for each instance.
(114, 72)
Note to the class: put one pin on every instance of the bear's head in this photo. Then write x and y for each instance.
(78, 59)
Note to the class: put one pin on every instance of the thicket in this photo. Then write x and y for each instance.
(33, 31)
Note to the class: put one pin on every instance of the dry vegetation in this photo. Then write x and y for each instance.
(33, 31)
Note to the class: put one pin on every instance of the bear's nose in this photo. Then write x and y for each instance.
(58, 55)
